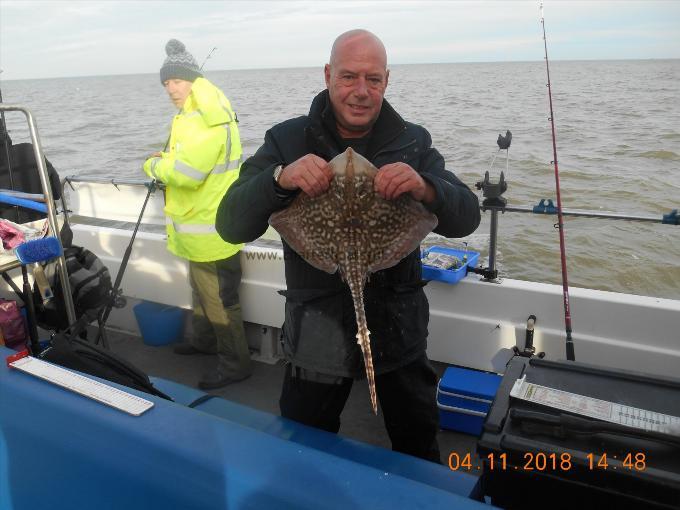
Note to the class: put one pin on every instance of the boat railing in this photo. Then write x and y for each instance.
(546, 206)
(494, 203)
(115, 182)
(49, 202)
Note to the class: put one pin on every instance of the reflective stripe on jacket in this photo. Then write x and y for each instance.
(203, 160)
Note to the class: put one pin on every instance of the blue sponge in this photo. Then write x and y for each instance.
(38, 250)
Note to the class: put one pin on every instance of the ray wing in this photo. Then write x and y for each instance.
(309, 226)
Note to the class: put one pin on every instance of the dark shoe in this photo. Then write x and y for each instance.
(186, 350)
(217, 379)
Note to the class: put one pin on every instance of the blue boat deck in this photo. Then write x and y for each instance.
(262, 390)
(64, 451)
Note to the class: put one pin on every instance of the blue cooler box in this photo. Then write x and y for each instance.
(464, 398)
(449, 275)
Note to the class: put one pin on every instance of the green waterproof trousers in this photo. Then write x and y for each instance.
(217, 321)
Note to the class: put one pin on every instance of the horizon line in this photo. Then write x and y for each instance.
(315, 66)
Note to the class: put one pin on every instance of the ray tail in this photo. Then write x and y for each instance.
(356, 288)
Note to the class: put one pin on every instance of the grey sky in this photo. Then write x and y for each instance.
(81, 38)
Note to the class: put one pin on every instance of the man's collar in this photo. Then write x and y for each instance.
(388, 125)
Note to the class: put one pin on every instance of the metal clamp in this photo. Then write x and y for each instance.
(671, 218)
(545, 208)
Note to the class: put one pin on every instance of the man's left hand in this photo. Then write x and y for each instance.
(395, 179)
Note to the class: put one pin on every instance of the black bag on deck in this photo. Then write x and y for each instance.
(69, 351)
(90, 283)
(26, 178)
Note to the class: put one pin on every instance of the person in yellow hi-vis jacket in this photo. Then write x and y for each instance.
(201, 160)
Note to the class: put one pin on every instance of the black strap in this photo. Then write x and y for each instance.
(201, 399)
(85, 281)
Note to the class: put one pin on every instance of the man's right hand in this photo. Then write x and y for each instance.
(310, 173)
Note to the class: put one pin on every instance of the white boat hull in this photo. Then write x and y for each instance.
(473, 323)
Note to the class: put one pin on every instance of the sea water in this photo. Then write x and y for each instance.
(618, 143)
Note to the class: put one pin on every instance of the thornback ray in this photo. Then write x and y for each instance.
(352, 229)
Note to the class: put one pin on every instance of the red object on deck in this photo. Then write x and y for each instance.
(17, 356)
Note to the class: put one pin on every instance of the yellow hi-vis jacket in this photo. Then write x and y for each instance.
(203, 160)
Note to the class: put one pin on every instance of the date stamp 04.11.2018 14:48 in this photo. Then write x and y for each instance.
(554, 462)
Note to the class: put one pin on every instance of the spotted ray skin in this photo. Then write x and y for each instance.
(352, 229)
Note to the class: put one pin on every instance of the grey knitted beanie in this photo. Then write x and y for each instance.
(179, 64)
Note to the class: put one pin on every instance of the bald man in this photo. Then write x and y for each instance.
(319, 332)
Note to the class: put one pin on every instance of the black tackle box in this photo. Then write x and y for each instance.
(530, 463)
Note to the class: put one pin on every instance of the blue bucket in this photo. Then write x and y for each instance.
(159, 324)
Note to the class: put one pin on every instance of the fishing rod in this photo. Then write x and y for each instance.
(207, 57)
(115, 297)
(560, 222)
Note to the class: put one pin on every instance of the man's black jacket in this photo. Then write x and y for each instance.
(320, 328)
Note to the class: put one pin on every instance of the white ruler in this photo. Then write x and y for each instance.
(85, 386)
(596, 408)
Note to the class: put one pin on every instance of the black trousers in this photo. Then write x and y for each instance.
(407, 398)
